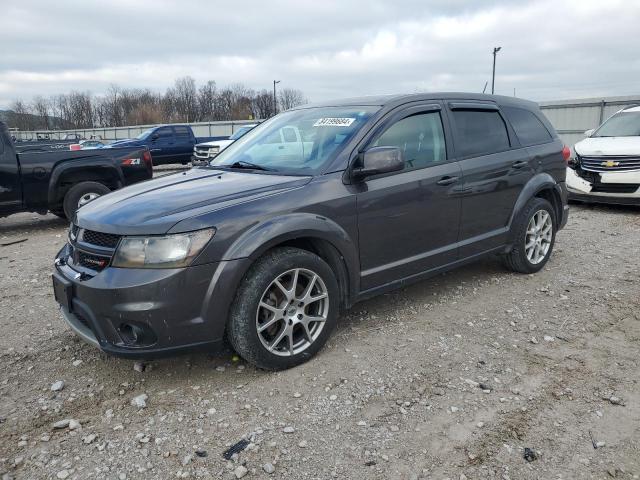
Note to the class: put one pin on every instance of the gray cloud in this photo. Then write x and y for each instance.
(330, 48)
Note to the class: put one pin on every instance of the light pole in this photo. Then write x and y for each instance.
(493, 76)
(275, 99)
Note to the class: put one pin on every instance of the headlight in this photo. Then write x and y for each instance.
(166, 251)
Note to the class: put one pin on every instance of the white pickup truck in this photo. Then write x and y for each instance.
(204, 152)
(606, 165)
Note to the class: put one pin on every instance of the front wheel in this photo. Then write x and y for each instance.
(285, 309)
(81, 194)
(534, 235)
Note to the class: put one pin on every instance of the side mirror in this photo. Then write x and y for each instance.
(379, 160)
(589, 132)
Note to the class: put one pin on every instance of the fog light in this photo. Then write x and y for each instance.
(131, 334)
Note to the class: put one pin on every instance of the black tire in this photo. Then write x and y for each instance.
(75, 193)
(516, 260)
(241, 327)
(59, 213)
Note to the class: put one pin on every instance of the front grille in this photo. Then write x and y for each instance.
(615, 187)
(107, 240)
(93, 262)
(610, 163)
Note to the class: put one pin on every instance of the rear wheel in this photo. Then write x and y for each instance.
(534, 237)
(81, 194)
(285, 309)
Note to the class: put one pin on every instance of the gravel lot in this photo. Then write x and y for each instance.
(449, 378)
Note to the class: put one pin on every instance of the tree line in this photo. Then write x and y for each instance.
(183, 102)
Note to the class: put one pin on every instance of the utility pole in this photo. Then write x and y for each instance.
(493, 76)
(275, 98)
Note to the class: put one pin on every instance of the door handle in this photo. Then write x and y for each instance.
(447, 180)
(520, 164)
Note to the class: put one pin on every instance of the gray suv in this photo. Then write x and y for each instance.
(312, 211)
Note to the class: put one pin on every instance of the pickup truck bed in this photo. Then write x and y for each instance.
(36, 179)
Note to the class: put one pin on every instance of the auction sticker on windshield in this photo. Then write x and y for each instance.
(334, 122)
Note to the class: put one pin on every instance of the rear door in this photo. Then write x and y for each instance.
(184, 142)
(495, 168)
(10, 186)
(408, 221)
(162, 147)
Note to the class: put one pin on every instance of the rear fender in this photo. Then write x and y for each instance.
(540, 182)
(97, 170)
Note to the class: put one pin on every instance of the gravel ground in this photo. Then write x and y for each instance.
(449, 378)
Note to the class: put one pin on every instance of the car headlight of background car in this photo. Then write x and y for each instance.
(168, 251)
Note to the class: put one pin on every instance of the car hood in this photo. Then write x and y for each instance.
(154, 206)
(219, 143)
(605, 146)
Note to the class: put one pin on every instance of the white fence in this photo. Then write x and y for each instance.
(200, 129)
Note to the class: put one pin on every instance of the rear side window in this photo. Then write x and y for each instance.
(480, 132)
(182, 131)
(529, 129)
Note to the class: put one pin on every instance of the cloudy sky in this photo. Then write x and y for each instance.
(551, 49)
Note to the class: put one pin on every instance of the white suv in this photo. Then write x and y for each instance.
(606, 164)
(203, 152)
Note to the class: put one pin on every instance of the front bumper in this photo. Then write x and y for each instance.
(146, 313)
(622, 188)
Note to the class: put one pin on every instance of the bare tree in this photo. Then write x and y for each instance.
(183, 102)
(186, 101)
(263, 104)
(40, 108)
(206, 100)
(290, 97)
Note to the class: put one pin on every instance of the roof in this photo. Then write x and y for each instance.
(398, 99)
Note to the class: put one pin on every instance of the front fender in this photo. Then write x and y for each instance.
(265, 235)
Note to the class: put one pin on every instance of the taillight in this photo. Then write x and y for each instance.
(146, 156)
(566, 154)
(75, 146)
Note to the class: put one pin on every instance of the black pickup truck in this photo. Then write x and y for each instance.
(37, 179)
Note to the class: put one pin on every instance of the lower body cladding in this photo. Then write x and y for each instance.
(619, 188)
(146, 313)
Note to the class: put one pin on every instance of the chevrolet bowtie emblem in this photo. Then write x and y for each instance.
(610, 163)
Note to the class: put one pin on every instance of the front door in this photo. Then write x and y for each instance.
(408, 221)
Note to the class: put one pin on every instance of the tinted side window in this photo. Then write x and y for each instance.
(480, 132)
(165, 132)
(182, 131)
(529, 129)
(420, 137)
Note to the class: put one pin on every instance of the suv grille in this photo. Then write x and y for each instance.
(615, 187)
(610, 163)
(107, 240)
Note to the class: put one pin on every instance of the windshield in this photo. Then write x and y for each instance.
(145, 134)
(240, 133)
(624, 124)
(297, 142)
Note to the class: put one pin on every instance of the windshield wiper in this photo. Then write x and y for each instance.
(249, 166)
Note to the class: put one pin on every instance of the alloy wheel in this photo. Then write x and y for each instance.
(292, 312)
(538, 237)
